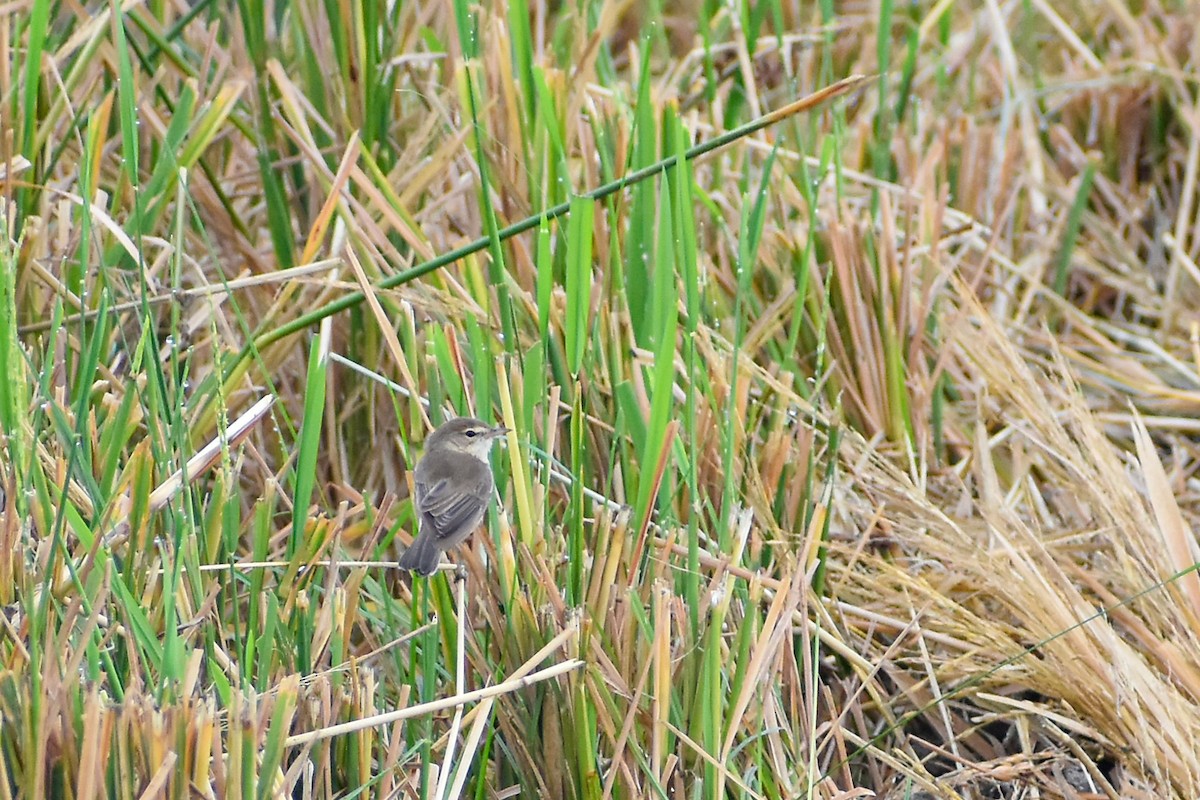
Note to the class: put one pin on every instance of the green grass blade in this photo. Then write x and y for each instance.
(310, 439)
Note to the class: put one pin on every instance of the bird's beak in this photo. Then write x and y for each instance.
(498, 431)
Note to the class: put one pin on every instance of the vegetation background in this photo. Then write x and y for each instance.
(855, 455)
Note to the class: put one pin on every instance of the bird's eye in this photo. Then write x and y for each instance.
(472, 434)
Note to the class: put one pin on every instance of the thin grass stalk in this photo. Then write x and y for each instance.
(460, 669)
(262, 341)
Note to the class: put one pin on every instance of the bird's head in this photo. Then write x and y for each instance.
(465, 435)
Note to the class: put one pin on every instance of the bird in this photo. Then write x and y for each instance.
(452, 486)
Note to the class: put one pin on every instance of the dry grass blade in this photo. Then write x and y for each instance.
(507, 687)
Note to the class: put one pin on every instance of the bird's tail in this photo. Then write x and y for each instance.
(422, 557)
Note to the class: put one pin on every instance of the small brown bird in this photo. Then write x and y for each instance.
(452, 488)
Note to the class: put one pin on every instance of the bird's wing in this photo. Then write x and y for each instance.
(448, 510)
